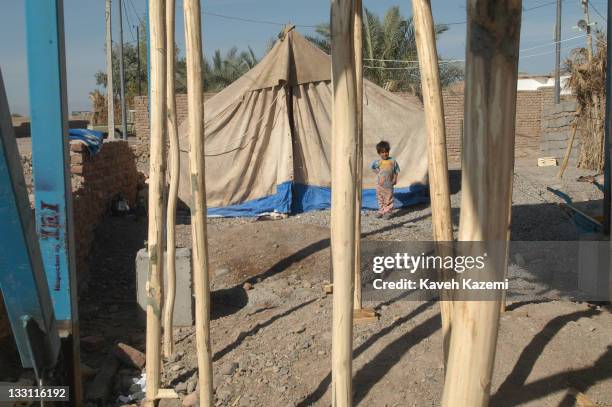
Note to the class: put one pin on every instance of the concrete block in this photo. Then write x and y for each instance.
(184, 303)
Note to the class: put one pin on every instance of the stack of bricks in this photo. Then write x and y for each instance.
(96, 181)
(528, 119)
(141, 118)
(453, 119)
(557, 121)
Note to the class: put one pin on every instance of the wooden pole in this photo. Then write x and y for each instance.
(344, 168)
(488, 162)
(174, 158)
(587, 19)
(359, 76)
(195, 91)
(439, 189)
(156, 188)
(568, 149)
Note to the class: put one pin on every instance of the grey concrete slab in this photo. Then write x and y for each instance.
(184, 303)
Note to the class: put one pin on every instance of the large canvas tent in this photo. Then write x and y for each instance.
(268, 137)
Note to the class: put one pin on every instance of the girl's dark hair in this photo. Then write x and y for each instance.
(383, 146)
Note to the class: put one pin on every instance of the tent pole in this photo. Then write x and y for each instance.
(156, 187)
(439, 189)
(359, 76)
(174, 158)
(344, 167)
(488, 163)
(195, 91)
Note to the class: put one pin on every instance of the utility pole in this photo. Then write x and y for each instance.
(558, 55)
(110, 95)
(607, 169)
(122, 74)
(138, 59)
(585, 8)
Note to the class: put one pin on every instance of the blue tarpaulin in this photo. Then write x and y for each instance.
(298, 198)
(92, 139)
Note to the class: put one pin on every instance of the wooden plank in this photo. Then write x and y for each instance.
(548, 161)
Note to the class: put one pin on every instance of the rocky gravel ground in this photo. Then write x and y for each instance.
(271, 320)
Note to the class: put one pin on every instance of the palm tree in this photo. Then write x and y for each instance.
(223, 70)
(386, 44)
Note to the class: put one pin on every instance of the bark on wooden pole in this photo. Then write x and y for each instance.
(439, 189)
(195, 92)
(488, 161)
(174, 158)
(344, 169)
(156, 187)
(358, 44)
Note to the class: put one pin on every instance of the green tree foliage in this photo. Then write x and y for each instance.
(219, 72)
(387, 41)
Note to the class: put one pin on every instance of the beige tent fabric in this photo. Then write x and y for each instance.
(250, 144)
(386, 117)
(292, 61)
(247, 148)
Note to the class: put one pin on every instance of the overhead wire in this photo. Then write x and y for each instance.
(596, 11)
(127, 17)
(251, 20)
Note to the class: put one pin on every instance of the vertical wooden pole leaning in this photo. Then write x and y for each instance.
(439, 189)
(344, 169)
(488, 162)
(174, 158)
(195, 92)
(156, 187)
(358, 44)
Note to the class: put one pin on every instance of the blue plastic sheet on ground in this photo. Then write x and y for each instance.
(298, 198)
(93, 140)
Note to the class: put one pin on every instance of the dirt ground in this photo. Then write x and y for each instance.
(271, 337)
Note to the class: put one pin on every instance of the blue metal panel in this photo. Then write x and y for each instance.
(22, 279)
(50, 157)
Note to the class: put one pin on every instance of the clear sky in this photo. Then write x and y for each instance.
(85, 31)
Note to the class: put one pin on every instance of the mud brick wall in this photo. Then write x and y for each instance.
(141, 120)
(529, 105)
(556, 131)
(96, 180)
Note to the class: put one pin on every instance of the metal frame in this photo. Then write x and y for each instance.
(50, 156)
(22, 278)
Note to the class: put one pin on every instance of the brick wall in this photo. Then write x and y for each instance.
(96, 180)
(141, 120)
(556, 131)
(529, 107)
